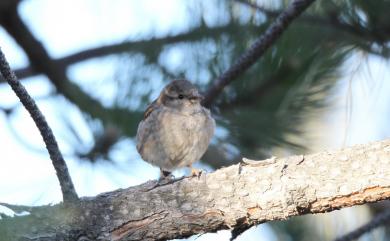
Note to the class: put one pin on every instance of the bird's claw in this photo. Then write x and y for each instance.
(196, 172)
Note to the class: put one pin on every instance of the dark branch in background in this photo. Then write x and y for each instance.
(39, 57)
(377, 221)
(331, 21)
(67, 188)
(246, 60)
(42, 63)
(103, 142)
(4, 4)
(140, 45)
(365, 36)
(6, 111)
(133, 46)
(55, 70)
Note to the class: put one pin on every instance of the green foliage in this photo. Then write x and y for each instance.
(270, 102)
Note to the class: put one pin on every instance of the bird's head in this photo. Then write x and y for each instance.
(180, 94)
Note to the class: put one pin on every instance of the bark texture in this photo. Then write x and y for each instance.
(234, 197)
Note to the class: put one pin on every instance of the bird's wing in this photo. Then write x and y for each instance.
(143, 131)
(150, 109)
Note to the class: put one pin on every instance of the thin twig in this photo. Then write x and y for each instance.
(68, 190)
(246, 60)
(377, 221)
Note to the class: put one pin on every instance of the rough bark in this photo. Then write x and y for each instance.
(234, 197)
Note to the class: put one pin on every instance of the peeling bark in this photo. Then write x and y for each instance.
(235, 197)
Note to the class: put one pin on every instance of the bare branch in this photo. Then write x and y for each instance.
(246, 60)
(235, 197)
(68, 191)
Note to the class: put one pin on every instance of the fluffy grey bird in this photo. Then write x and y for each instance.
(176, 129)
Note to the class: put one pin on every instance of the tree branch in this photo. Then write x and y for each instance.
(40, 59)
(246, 60)
(67, 188)
(132, 46)
(41, 62)
(235, 197)
(331, 21)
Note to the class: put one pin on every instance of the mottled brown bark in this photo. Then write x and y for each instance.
(234, 197)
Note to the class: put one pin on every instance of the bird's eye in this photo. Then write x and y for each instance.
(181, 96)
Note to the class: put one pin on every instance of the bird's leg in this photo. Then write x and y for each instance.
(165, 176)
(195, 172)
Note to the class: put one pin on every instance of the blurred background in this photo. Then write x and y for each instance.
(94, 65)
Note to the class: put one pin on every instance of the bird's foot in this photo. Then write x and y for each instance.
(196, 172)
(165, 177)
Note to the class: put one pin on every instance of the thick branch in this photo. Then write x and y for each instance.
(266, 40)
(235, 197)
(68, 191)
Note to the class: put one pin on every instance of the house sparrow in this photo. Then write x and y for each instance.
(176, 130)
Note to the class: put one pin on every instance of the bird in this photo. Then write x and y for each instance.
(176, 129)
